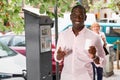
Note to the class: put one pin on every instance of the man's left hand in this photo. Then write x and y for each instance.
(92, 52)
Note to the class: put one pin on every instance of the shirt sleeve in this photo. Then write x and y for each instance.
(100, 52)
(103, 36)
(59, 44)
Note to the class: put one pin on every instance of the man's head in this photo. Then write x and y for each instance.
(78, 16)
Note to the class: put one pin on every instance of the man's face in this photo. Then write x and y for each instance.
(78, 17)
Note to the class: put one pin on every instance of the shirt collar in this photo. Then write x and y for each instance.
(83, 30)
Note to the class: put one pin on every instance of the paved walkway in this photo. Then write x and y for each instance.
(116, 75)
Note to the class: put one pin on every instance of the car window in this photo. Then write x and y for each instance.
(108, 21)
(113, 31)
(6, 51)
(112, 21)
(5, 39)
(18, 41)
(103, 21)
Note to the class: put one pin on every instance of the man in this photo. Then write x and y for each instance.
(78, 47)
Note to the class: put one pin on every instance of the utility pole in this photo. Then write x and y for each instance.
(7, 1)
(80, 1)
(56, 36)
(23, 3)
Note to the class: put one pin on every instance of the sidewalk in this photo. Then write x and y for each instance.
(116, 75)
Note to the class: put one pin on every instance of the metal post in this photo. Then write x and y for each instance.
(117, 55)
(7, 1)
(80, 1)
(56, 37)
(23, 3)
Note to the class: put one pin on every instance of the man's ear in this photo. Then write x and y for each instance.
(70, 17)
(85, 17)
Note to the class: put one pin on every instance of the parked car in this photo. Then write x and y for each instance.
(15, 42)
(12, 64)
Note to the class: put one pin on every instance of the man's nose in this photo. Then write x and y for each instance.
(79, 19)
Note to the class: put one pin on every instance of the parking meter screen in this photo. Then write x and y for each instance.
(45, 37)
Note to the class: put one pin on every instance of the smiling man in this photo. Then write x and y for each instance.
(74, 51)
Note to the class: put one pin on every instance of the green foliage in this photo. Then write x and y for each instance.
(114, 5)
(97, 5)
(48, 6)
(10, 19)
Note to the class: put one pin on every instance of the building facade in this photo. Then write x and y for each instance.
(102, 11)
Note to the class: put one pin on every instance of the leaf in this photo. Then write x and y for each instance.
(42, 9)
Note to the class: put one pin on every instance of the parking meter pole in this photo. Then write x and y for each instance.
(117, 57)
(56, 37)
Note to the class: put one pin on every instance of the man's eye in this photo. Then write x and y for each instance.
(81, 16)
(78, 16)
(75, 16)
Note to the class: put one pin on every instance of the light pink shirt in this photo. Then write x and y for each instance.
(77, 64)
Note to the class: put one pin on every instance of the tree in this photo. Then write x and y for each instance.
(97, 5)
(10, 19)
(114, 5)
(47, 6)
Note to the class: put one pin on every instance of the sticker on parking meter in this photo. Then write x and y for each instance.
(45, 37)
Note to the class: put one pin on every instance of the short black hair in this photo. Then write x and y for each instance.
(78, 6)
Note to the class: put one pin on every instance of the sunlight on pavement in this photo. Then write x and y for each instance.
(116, 75)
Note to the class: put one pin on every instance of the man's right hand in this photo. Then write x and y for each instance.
(60, 54)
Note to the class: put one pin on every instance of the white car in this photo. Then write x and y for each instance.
(12, 64)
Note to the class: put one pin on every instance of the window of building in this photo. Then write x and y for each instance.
(105, 15)
(105, 1)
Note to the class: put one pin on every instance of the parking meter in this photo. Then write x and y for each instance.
(38, 45)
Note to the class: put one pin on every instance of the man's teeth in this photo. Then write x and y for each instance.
(77, 22)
